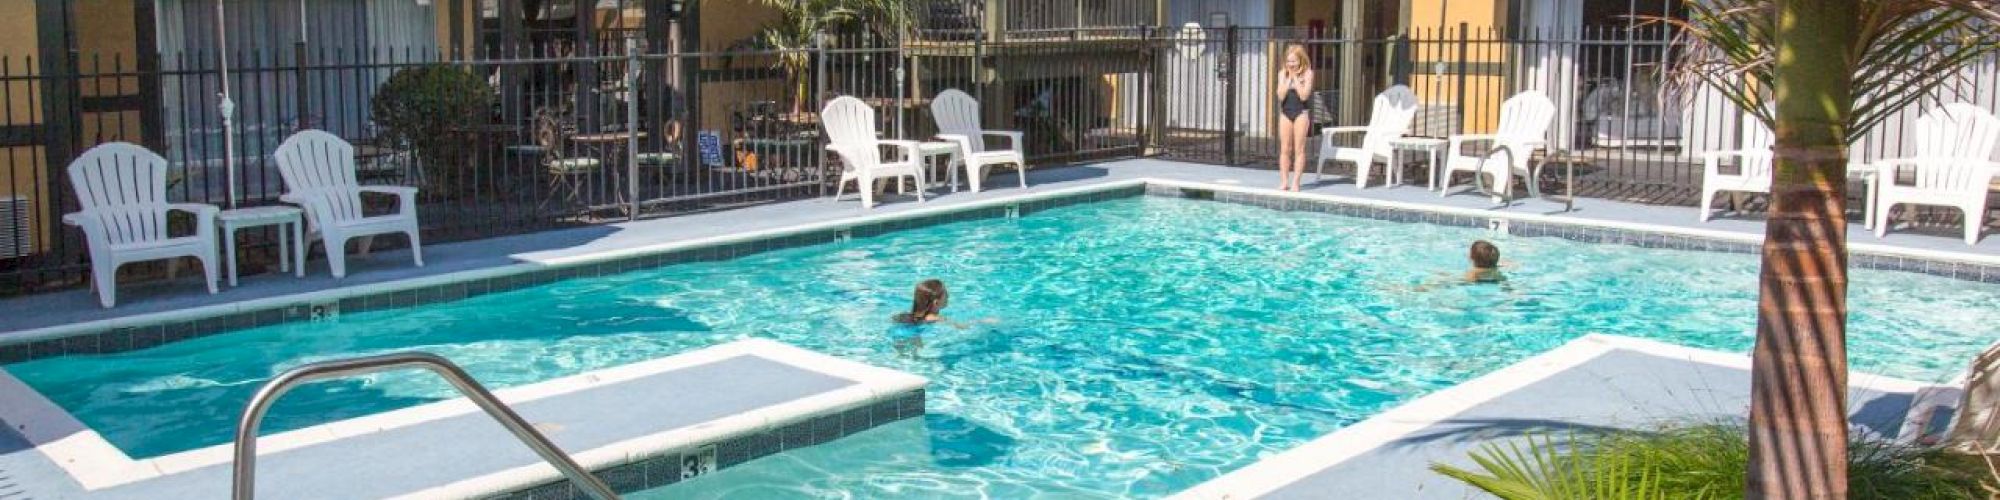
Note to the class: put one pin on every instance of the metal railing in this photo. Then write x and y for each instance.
(244, 483)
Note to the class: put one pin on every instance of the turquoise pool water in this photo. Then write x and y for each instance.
(1130, 347)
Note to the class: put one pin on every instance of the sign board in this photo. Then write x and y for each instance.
(709, 142)
(1192, 39)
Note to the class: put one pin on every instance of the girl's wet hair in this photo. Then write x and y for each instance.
(929, 299)
(1485, 255)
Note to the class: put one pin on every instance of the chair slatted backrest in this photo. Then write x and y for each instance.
(850, 127)
(1524, 118)
(124, 186)
(1754, 135)
(320, 166)
(1390, 119)
(1953, 146)
(958, 114)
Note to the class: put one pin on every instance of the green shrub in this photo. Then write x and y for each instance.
(420, 107)
(1697, 462)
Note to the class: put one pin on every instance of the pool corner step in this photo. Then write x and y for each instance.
(694, 451)
(637, 426)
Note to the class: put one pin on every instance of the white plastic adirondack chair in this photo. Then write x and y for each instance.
(1954, 145)
(850, 131)
(1524, 122)
(122, 189)
(318, 169)
(957, 116)
(1754, 156)
(1394, 109)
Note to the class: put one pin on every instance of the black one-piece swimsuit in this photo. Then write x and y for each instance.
(1292, 105)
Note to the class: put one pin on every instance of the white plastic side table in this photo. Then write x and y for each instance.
(1432, 148)
(934, 149)
(291, 244)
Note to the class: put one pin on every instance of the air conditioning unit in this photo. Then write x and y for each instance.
(17, 236)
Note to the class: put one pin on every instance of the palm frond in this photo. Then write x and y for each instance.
(1539, 467)
(1909, 49)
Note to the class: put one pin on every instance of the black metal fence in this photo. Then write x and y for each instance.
(575, 135)
(620, 129)
(1633, 133)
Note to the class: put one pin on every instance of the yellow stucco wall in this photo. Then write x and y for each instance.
(1439, 88)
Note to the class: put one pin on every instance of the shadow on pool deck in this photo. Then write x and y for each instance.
(1623, 388)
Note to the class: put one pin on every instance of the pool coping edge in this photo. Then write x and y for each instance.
(1274, 472)
(95, 464)
(22, 340)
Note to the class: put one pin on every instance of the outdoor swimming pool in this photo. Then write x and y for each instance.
(1129, 347)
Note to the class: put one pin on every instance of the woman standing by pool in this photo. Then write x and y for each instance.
(1295, 83)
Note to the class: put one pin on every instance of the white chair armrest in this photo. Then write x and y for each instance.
(1456, 143)
(92, 227)
(204, 217)
(1886, 167)
(909, 148)
(405, 194)
(202, 211)
(964, 142)
(404, 191)
(1343, 130)
(1013, 138)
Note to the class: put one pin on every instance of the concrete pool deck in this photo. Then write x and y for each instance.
(1596, 382)
(634, 424)
(22, 462)
(184, 298)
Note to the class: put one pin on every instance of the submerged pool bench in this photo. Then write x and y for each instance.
(638, 426)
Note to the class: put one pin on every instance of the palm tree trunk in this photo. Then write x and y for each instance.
(1798, 410)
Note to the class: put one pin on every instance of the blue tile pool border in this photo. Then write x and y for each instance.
(1580, 231)
(129, 338)
(668, 468)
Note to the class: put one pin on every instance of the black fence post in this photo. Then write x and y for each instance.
(1148, 85)
(1228, 76)
(631, 80)
(1463, 46)
(304, 93)
(819, 96)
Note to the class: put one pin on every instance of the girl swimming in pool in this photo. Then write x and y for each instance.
(1485, 263)
(930, 299)
(925, 308)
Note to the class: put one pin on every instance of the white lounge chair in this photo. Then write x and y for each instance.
(122, 189)
(318, 169)
(957, 116)
(1524, 122)
(1753, 156)
(1394, 109)
(1953, 168)
(850, 131)
(1960, 416)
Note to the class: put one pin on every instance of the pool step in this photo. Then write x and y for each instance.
(637, 426)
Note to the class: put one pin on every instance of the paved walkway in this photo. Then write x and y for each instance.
(1594, 383)
(73, 306)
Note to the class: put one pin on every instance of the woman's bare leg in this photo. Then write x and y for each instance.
(1284, 154)
(1300, 128)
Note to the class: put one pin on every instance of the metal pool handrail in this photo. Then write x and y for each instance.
(245, 480)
